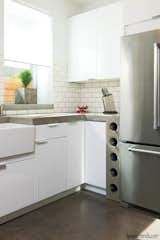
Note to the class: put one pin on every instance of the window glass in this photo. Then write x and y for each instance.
(27, 34)
(27, 45)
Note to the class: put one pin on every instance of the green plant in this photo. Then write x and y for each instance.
(26, 77)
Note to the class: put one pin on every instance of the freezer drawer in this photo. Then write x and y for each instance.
(140, 175)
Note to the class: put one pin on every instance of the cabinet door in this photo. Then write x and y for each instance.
(82, 46)
(51, 159)
(110, 30)
(75, 169)
(137, 11)
(17, 185)
(95, 154)
(156, 11)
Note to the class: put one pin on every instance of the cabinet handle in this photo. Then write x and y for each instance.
(53, 125)
(41, 142)
(3, 167)
(156, 17)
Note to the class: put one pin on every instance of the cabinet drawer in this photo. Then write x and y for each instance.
(50, 131)
(17, 184)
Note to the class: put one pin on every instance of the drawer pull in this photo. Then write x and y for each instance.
(144, 150)
(156, 17)
(41, 142)
(53, 125)
(3, 167)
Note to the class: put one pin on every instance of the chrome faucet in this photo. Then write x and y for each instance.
(1, 110)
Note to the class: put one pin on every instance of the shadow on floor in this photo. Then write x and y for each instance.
(83, 216)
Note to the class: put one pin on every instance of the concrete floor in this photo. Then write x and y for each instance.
(83, 216)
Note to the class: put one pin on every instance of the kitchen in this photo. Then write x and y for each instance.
(79, 125)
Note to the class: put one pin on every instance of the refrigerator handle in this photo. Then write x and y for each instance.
(156, 124)
(152, 151)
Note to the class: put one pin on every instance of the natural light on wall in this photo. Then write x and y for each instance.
(28, 45)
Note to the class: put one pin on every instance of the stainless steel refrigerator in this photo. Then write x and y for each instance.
(140, 120)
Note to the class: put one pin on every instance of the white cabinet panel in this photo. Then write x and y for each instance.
(47, 131)
(75, 169)
(82, 47)
(17, 185)
(51, 160)
(19, 138)
(110, 29)
(137, 11)
(59, 155)
(156, 4)
(95, 154)
(94, 44)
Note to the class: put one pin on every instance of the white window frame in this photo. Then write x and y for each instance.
(2, 58)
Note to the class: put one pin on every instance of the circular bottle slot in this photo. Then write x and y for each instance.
(114, 172)
(113, 156)
(113, 126)
(113, 142)
(113, 188)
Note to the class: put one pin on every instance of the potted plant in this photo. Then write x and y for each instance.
(26, 95)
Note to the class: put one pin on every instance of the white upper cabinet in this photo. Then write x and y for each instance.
(82, 47)
(94, 45)
(110, 28)
(140, 10)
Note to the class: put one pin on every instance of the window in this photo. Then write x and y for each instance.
(27, 45)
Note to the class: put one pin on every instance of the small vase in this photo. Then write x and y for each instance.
(26, 96)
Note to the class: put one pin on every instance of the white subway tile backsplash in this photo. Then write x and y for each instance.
(67, 96)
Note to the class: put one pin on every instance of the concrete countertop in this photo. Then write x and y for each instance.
(40, 119)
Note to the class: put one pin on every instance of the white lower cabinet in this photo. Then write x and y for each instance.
(95, 154)
(59, 157)
(66, 156)
(17, 184)
(51, 157)
(75, 166)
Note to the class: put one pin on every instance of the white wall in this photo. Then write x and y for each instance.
(1, 28)
(60, 10)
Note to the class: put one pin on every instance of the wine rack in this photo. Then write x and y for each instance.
(113, 165)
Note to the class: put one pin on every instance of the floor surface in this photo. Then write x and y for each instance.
(83, 216)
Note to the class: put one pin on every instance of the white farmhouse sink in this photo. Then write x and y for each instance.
(16, 139)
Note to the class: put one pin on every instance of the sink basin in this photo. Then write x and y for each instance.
(16, 139)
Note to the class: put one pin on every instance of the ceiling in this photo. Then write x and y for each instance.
(84, 1)
(93, 2)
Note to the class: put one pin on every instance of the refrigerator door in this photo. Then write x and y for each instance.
(140, 88)
(140, 176)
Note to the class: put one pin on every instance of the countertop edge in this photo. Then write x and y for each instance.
(49, 119)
